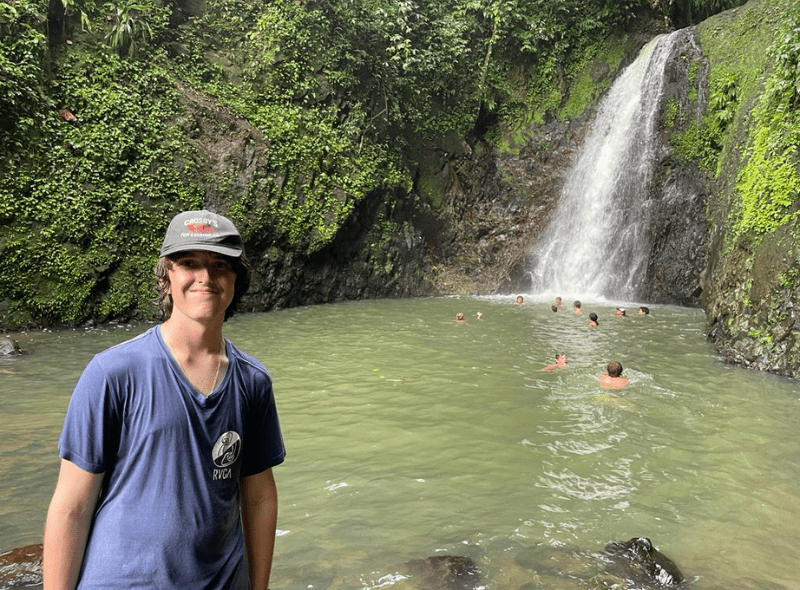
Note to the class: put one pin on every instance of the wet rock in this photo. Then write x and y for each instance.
(444, 572)
(9, 346)
(678, 194)
(21, 568)
(639, 562)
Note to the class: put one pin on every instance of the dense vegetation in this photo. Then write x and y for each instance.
(749, 140)
(96, 147)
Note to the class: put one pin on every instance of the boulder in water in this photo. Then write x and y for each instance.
(9, 346)
(637, 560)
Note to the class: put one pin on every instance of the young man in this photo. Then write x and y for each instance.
(170, 439)
(613, 376)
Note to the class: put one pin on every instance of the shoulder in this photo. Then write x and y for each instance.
(133, 352)
(143, 341)
(117, 368)
(249, 366)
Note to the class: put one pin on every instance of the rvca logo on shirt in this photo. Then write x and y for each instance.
(224, 453)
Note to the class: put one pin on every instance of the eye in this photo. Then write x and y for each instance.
(222, 265)
(185, 262)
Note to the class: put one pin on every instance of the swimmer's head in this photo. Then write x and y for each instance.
(614, 369)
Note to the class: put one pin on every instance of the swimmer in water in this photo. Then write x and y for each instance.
(561, 362)
(613, 376)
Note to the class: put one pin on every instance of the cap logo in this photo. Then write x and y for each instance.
(199, 228)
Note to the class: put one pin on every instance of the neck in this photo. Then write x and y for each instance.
(192, 337)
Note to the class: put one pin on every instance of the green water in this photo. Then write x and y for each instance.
(410, 435)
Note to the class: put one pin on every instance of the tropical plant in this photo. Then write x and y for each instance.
(130, 28)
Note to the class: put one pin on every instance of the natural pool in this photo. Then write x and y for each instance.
(411, 435)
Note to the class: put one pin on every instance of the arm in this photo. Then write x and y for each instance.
(67, 528)
(260, 519)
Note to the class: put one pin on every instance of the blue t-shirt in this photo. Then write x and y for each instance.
(169, 512)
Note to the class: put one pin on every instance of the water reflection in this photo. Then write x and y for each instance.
(410, 435)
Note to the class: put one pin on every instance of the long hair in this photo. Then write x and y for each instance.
(163, 300)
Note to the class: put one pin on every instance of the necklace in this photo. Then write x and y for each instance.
(185, 374)
(216, 374)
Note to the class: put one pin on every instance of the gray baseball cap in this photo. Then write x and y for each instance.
(202, 230)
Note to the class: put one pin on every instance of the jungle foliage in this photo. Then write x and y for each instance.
(769, 183)
(93, 160)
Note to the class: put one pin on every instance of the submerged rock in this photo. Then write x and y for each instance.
(444, 572)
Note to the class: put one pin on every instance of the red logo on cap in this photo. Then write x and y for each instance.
(199, 228)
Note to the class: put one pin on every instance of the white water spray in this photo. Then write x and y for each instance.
(597, 244)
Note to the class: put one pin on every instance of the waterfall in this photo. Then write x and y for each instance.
(597, 244)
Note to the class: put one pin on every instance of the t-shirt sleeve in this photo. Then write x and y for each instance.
(90, 436)
(263, 447)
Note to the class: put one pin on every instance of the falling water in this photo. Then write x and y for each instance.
(598, 243)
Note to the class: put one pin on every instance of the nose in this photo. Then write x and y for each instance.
(202, 273)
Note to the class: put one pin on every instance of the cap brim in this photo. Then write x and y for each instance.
(218, 248)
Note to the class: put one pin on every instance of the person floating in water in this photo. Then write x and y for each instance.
(613, 376)
(561, 362)
(620, 312)
(593, 321)
(644, 310)
(519, 300)
(576, 305)
(479, 314)
(559, 304)
(554, 308)
(460, 317)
